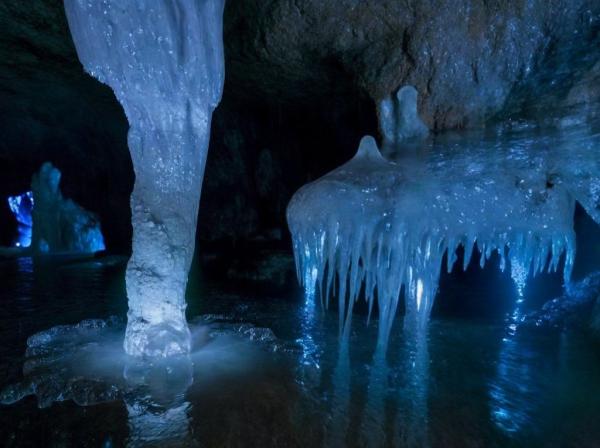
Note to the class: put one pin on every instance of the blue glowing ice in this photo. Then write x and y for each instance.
(54, 224)
(21, 206)
(58, 223)
(396, 218)
(164, 61)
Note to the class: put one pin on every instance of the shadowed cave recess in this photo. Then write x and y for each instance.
(295, 104)
(476, 200)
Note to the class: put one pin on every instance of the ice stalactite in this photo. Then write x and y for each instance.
(393, 221)
(164, 61)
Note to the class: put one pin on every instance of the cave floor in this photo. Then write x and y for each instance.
(464, 383)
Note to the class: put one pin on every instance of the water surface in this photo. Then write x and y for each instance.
(466, 382)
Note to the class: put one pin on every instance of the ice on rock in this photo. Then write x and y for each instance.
(58, 223)
(394, 220)
(578, 298)
(398, 117)
(164, 61)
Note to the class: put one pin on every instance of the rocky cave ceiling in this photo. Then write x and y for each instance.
(302, 81)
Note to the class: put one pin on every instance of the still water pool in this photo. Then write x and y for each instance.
(268, 369)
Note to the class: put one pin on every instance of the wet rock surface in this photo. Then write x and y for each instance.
(572, 308)
(595, 322)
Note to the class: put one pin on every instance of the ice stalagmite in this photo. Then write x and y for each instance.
(398, 118)
(394, 220)
(58, 223)
(164, 61)
(50, 223)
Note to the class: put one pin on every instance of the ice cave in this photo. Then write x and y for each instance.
(21, 206)
(47, 222)
(310, 223)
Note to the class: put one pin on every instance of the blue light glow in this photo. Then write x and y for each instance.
(22, 206)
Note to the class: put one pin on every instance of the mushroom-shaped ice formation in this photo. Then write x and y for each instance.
(393, 221)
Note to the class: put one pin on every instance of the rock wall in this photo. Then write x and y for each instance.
(50, 110)
(302, 81)
(463, 56)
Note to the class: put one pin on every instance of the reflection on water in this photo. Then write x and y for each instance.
(158, 412)
(414, 421)
(511, 390)
(508, 191)
(85, 363)
(282, 371)
(404, 386)
(337, 432)
(25, 265)
(299, 384)
(373, 422)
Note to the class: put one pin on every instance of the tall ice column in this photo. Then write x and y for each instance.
(164, 61)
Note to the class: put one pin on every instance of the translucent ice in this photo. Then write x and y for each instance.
(164, 61)
(85, 363)
(58, 223)
(398, 117)
(394, 220)
(21, 206)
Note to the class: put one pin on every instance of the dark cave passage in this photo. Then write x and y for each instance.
(106, 348)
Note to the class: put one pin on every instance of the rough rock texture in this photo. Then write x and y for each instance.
(585, 95)
(463, 56)
(302, 81)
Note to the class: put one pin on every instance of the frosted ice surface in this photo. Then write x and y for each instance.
(71, 362)
(393, 220)
(21, 206)
(58, 223)
(398, 117)
(164, 61)
(86, 363)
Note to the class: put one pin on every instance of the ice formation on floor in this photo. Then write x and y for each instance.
(58, 223)
(21, 206)
(72, 362)
(164, 61)
(398, 118)
(85, 363)
(379, 225)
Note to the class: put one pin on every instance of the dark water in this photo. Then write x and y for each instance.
(465, 382)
